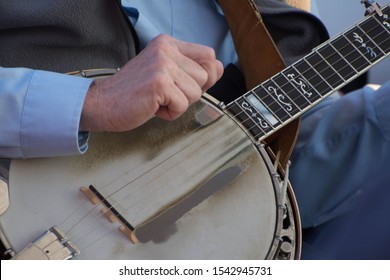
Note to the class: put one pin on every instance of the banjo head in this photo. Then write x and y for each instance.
(152, 169)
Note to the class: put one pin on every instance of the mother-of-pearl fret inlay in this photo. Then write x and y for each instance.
(264, 111)
(254, 115)
(299, 87)
(385, 23)
(280, 98)
(369, 49)
(301, 84)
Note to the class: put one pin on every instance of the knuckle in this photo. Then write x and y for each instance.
(182, 109)
(209, 54)
(159, 80)
(162, 43)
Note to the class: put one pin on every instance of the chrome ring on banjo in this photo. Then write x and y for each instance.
(195, 188)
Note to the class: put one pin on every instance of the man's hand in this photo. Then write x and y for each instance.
(163, 80)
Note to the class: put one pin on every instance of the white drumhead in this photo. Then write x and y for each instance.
(237, 222)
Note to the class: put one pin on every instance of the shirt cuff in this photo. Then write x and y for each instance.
(51, 115)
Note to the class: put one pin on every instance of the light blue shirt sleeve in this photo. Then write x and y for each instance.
(40, 113)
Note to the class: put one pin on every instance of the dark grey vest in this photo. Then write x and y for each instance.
(64, 36)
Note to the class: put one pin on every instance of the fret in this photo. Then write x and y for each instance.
(266, 118)
(384, 20)
(281, 98)
(364, 45)
(301, 84)
(324, 70)
(271, 104)
(308, 81)
(310, 75)
(291, 91)
(350, 53)
(242, 115)
(378, 33)
(334, 58)
(386, 11)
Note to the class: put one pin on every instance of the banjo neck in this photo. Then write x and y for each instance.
(299, 87)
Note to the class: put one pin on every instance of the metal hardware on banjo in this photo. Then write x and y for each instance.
(201, 187)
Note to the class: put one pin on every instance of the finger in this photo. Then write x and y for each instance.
(192, 69)
(188, 84)
(205, 57)
(173, 104)
(205, 74)
(215, 70)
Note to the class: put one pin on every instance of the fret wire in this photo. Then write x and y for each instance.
(316, 51)
(365, 44)
(313, 87)
(290, 90)
(372, 41)
(272, 112)
(376, 35)
(313, 68)
(249, 118)
(354, 50)
(383, 28)
(350, 43)
(272, 127)
(242, 121)
(270, 120)
(275, 112)
(296, 87)
(280, 106)
(342, 59)
(281, 122)
(299, 90)
(357, 49)
(381, 24)
(246, 113)
(285, 94)
(324, 72)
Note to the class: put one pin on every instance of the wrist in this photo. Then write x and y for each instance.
(89, 120)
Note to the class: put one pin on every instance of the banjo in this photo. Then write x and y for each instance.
(201, 187)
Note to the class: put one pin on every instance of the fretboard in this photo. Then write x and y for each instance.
(287, 95)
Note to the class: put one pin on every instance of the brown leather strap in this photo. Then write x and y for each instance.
(253, 43)
(259, 60)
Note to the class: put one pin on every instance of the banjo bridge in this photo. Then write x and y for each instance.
(154, 228)
(110, 212)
